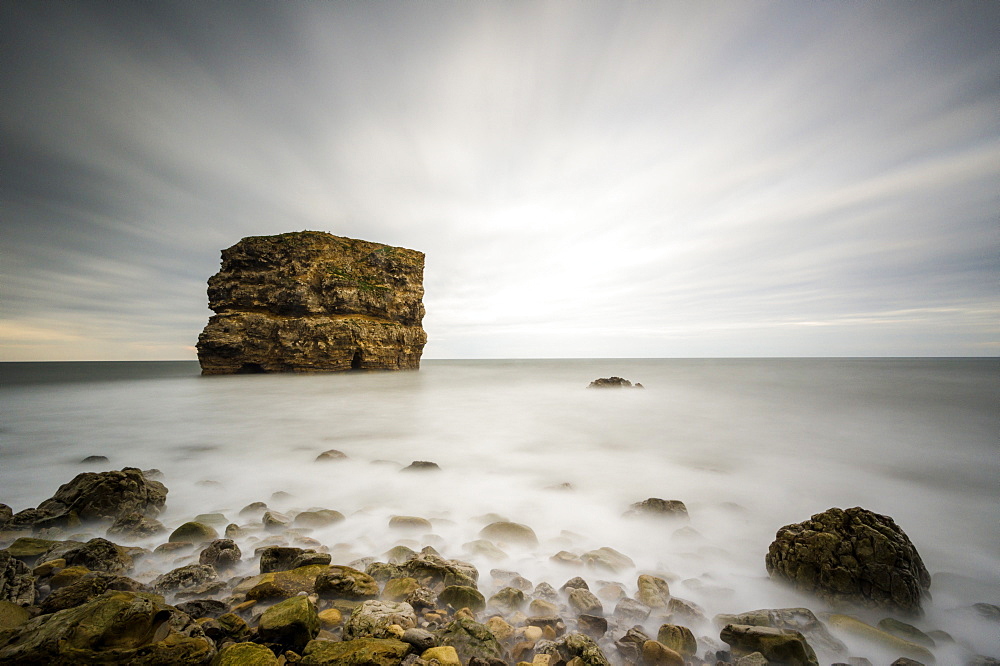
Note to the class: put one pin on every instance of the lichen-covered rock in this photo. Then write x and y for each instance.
(97, 496)
(585, 602)
(291, 623)
(280, 584)
(30, 549)
(851, 556)
(12, 615)
(463, 596)
(310, 301)
(508, 600)
(470, 639)
(373, 619)
(777, 645)
(343, 582)
(356, 652)
(184, 578)
(801, 620)
(115, 628)
(678, 638)
(653, 591)
(17, 584)
(574, 645)
(245, 654)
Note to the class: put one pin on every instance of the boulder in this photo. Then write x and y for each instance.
(505, 532)
(30, 549)
(422, 466)
(104, 496)
(6, 514)
(99, 555)
(445, 655)
(199, 608)
(317, 518)
(631, 643)
(653, 591)
(291, 623)
(462, 596)
(905, 631)
(309, 301)
(801, 620)
(420, 639)
(592, 625)
(193, 532)
(134, 525)
(274, 520)
(342, 582)
(279, 558)
(355, 652)
(222, 554)
(470, 640)
(17, 584)
(848, 625)
(373, 618)
(432, 570)
(87, 588)
(331, 455)
(115, 628)
(245, 654)
(585, 602)
(655, 507)
(572, 646)
(397, 589)
(655, 653)
(184, 578)
(508, 600)
(777, 645)
(12, 615)
(678, 638)
(280, 584)
(851, 556)
(410, 523)
(607, 559)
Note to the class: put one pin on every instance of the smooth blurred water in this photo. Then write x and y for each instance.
(748, 444)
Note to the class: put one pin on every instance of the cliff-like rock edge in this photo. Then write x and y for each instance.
(310, 301)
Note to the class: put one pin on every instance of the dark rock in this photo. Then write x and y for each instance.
(226, 627)
(462, 596)
(184, 578)
(575, 582)
(94, 459)
(630, 644)
(678, 638)
(592, 625)
(612, 382)
(310, 301)
(421, 466)
(136, 526)
(906, 661)
(203, 608)
(658, 508)
(851, 556)
(279, 558)
(117, 627)
(6, 514)
(253, 509)
(222, 554)
(99, 555)
(17, 584)
(12, 615)
(777, 645)
(194, 532)
(801, 620)
(420, 639)
(87, 588)
(470, 640)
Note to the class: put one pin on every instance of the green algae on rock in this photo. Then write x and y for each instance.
(310, 301)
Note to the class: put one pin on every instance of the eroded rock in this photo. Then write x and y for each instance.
(310, 301)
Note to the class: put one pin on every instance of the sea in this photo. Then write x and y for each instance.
(748, 445)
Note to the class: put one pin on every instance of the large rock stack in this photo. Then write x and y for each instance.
(309, 301)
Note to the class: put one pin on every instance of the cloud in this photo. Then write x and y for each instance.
(623, 175)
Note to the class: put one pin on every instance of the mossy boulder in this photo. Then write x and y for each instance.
(851, 556)
(193, 532)
(678, 638)
(12, 615)
(463, 596)
(508, 600)
(470, 639)
(343, 582)
(99, 555)
(397, 589)
(655, 653)
(777, 645)
(245, 654)
(575, 645)
(291, 623)
(355, 652)
(317, 518)
(653, 591)
(280, 584)
(28, 549)
(432, 570)
(116, 628)
(87, 588)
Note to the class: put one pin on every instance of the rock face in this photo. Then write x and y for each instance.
(309, 301)
(853, 556)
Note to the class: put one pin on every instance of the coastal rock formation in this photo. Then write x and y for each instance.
(853, 556)
(309, 301)
(613, 382)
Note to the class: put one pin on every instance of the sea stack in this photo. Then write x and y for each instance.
(310, 301)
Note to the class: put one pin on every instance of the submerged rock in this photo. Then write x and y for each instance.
(851, 556)
(310, 301)
(613, 382)
(795, 619)
(658, 508)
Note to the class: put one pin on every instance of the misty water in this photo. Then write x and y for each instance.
(748, 445)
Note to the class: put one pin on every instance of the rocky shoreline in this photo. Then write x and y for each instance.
(257, 588)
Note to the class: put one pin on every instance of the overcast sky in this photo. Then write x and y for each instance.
(587, 179)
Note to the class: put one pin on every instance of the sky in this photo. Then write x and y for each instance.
(587, 179)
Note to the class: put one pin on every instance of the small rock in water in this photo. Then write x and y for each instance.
(508, 532)
(332, 454)
(658, 508)
(613, 382)
(94, 460)
(421, 466)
